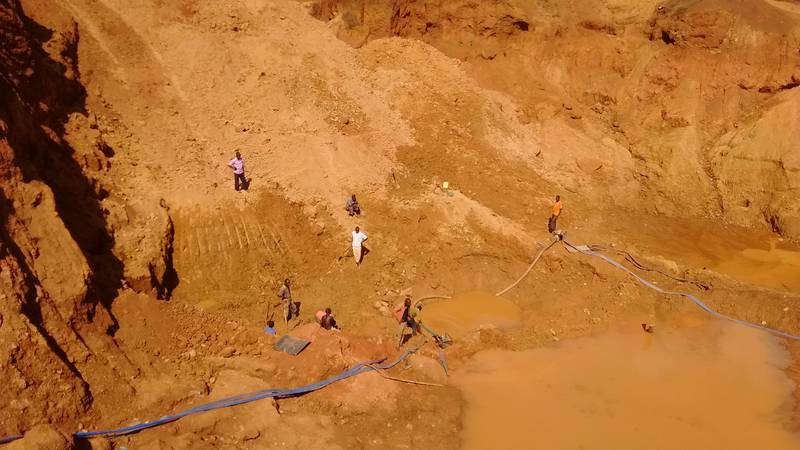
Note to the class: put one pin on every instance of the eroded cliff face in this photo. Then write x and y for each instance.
(676, 83)
(734, 68)
(57, 270)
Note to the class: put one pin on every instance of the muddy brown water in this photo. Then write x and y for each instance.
(744, 254)
(469, 311)
(773, 266)
(708, 386)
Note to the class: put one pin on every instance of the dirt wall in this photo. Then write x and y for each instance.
(58, 272)
(672, 82)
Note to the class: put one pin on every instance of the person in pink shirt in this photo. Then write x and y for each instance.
(237, 164)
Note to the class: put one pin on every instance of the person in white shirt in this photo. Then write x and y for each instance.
(358, 245)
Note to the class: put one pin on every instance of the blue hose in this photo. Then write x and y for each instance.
(8, 439)
(691, 297)
(240, 399)
(362, 367)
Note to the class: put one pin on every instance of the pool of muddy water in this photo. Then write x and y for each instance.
(709, 385)
(773, 266)
(743, 254)
(469, 311)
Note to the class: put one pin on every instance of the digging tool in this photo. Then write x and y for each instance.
(346, 253)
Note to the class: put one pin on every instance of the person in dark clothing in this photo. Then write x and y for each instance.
(352, 206)
(411, 316)
(327, 321)
(289, 307)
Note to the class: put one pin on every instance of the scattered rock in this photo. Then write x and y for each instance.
(589, 165)
(227, 352)
(43, 437)
(247, 434)
(100, 443)
(489, 53)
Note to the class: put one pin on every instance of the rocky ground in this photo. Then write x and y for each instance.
(136, 281)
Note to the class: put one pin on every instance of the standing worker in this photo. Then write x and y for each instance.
(408, 316)
(557, 207)
(237, 164)
(285, 294)
(358, 245)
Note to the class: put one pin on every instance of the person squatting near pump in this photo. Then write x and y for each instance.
(557, 207)
(239, 179)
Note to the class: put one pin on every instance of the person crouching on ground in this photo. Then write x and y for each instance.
(326, 319)
(270, 328)
(352, 206)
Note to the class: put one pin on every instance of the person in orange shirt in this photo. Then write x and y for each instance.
(557, 207)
